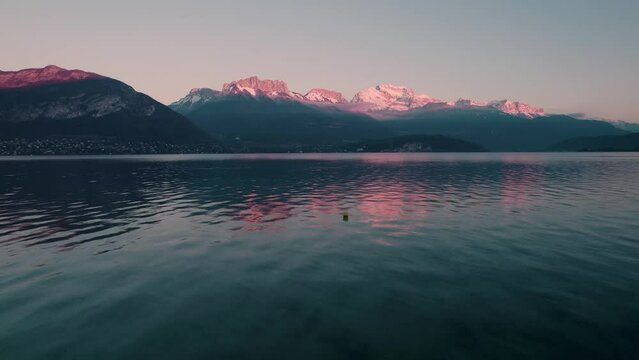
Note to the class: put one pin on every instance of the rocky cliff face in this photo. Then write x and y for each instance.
(72, 107)
(325, 96)
(380, 101)
(75, 97)
(254, 86)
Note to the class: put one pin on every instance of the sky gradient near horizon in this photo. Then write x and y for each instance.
(568, 56)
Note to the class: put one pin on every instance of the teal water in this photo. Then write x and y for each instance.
(443, 256)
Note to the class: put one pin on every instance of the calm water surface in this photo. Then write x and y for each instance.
(449, 256)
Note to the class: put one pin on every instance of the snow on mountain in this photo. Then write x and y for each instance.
(255, 87)
(48, 75)
(516, 108)
(380, 98)
(379, 101)
(392, 97)
(325, 96)
(252, 86)
(197, 96)
(400, 98)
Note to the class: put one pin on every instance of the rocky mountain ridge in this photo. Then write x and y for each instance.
(375, 101)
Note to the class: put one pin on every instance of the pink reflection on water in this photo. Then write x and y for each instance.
(519, 187)
(392, 205)
(523, 158)
(264, 213)
(395, 206)
(325, 201)
(383, 242)
(382, 158)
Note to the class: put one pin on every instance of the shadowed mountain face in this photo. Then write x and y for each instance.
(265, 122)
(497, 131)
(266, 114)
(56, 106)
(44, 104)
(628, 142)
(290, 123)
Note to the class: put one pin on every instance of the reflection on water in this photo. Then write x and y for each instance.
(74, 202)
(447, 255)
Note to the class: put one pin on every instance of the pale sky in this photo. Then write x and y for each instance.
(567, 56)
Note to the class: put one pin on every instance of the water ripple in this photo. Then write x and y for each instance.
(516, 250)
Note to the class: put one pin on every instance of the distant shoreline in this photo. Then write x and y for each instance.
(307, 156)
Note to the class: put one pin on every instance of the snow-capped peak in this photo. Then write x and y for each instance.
(43, 76)
(254, 86)
(392, 97)
(325, 96)
(514, 108)
(379, 101)
(517, 108)
(203, 91)
(197, 96)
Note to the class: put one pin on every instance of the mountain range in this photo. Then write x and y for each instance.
(52, 110)
(253, 111)
(381, 101)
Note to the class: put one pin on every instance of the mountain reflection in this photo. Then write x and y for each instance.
(73, 202)
(520, 184)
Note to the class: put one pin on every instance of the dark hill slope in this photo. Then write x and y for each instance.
(91, 108)
(628, 142)
(283, 123)
(497, 131)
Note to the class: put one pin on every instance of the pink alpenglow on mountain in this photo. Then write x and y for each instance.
(325, 96)
(517, 109)
(392, 97)
(254, 86)
(514, 108)
(380, 101)
(44, 76)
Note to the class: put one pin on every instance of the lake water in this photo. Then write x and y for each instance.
(443, 256)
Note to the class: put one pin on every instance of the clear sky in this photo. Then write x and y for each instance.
(567, 56)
